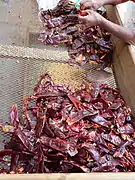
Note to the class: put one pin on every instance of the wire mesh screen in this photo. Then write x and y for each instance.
(20, 70)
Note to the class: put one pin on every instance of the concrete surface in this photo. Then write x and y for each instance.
(17, 19)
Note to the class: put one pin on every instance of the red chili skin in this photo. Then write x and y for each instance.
(83, 13)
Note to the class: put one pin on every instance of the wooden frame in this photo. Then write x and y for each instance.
(124, 67)
(91, 176)
(124, 64)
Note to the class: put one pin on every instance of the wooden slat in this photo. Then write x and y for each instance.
(91, 176)
(123, 63)
(124, 68)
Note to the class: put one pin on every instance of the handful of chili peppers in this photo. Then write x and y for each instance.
(61, 26)
(65, 131)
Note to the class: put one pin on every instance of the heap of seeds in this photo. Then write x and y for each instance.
(66, 74)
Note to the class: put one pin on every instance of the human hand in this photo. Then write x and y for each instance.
(89, 18)
(90, 4)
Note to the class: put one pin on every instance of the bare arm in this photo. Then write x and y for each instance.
(126, 34)
(95, 4)
(113, 2)
(93, 19)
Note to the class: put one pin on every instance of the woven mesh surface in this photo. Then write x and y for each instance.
(20, 69)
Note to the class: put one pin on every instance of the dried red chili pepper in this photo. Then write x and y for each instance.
(83, 13)
(63, 131)
(62, 27)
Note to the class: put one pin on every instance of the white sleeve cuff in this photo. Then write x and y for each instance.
(50, 4)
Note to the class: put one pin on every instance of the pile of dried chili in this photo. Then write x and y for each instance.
(61, 26)
(66, 131)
